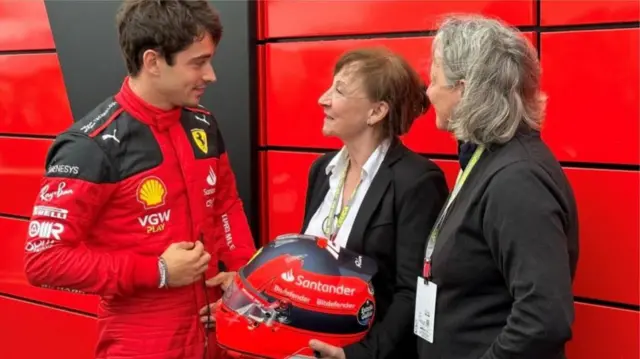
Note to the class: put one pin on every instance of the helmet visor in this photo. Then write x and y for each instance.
(251, 306)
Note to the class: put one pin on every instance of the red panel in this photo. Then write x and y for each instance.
(21, 169)
(30, 331)
(287, 176)
(601, 332)
(261, 19)
(33, 98)
(25, 26)
(298, 73)
(566, 12)
(293, 18)
(262, 102)
(593, 103)
(13, 280)
(608, 209)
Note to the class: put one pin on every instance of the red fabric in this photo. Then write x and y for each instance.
(91, 236)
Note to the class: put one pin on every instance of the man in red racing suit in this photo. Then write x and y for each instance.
(139, 204)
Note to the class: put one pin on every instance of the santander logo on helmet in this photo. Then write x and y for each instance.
(293, 290)
(316, 285)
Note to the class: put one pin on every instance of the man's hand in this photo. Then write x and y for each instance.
(327, 351)
(222, 279)
(186, 262)
(207, 314)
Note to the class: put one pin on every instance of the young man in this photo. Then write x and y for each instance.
(139, 203)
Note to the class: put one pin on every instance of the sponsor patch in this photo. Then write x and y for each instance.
(200, 139)
(92, 124)
(38, 245)
(53, 212)
(365, 313)
(151, 192)
(155, 222)
(47, 196)
(63, 169)
(45, 230)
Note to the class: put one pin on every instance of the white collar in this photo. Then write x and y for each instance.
(339, 161)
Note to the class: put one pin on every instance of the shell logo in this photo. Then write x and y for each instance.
(151, 192)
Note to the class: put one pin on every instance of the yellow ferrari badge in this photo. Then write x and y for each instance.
(200, 138)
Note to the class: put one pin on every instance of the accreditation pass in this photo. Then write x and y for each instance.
(425, 316)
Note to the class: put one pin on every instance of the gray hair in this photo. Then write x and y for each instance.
(501, 75)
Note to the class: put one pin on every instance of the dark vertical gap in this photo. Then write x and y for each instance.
(254, 118)
(538, 33)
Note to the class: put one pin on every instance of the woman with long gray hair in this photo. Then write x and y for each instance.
(500, 260)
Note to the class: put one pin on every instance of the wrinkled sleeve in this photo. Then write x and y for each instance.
(76, 186)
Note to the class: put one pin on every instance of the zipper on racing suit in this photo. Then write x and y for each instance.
(204, 330)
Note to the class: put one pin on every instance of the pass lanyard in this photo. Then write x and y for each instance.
(331, 225)
(462, 177)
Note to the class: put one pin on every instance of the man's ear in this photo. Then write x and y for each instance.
(151, 61)
(378, 112)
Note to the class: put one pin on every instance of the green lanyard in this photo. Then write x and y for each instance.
(462, 177)
(329, 226)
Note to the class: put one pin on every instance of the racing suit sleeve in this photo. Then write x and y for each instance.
(78, 182)
(234, 242)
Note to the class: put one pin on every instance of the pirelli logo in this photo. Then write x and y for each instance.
(53, 212)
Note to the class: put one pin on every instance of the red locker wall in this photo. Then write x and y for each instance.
(33, 109)
(590, 59)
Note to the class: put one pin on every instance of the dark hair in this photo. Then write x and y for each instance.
(167, 26)
(388, 77)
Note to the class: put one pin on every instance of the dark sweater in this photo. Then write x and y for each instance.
(505, 259)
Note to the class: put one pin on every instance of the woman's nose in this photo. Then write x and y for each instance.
(430, 93)
(324, 99)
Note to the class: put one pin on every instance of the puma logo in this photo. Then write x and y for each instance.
(202, 118)
(113, 137)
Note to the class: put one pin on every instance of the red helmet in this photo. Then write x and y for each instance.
(296, 288)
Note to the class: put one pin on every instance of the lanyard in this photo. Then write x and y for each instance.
(462, 177)
(331, 226)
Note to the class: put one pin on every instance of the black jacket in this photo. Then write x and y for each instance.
(505, 259)
(391, 227)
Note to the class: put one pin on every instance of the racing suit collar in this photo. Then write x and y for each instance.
(145, 112)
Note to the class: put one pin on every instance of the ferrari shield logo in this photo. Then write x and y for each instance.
(200, 138)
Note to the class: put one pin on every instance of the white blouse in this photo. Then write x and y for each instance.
(336, 168)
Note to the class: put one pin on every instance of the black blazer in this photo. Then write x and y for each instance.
(391, 227)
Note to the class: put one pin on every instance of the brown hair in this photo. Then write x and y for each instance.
(167, 26)
(388, 77)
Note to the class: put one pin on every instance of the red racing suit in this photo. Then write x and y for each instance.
(121, 185)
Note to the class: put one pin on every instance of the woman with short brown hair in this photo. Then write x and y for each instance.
(375, 196)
